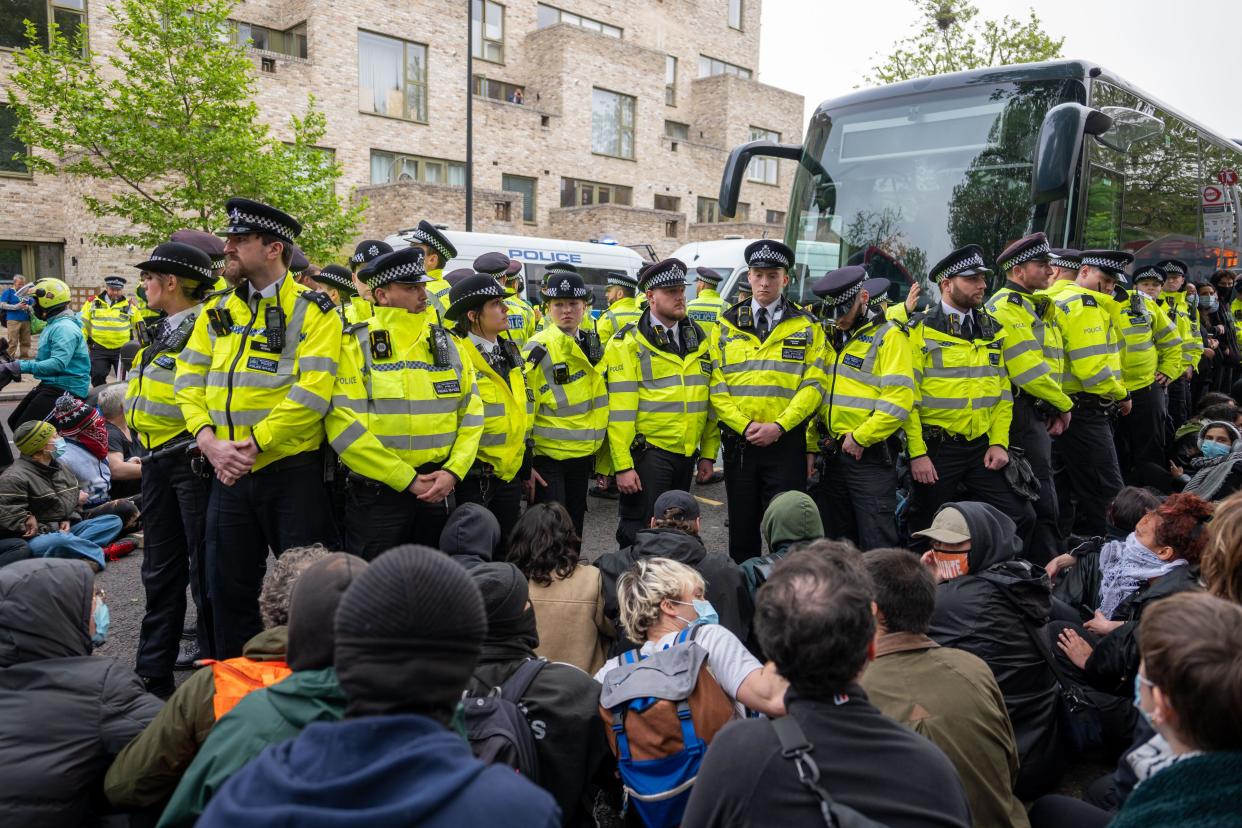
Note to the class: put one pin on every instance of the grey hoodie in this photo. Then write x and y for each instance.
(471, 535)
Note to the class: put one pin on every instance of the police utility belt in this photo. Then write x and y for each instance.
(938, 435)
(1094, 402)
(355, 480)
(882, 453)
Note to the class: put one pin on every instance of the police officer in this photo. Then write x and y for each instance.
(658, 414)
(566, 373)
(1174, 301)
(707, 305)
(622, 306)
(480, 319)
(175, 489)
(212, 245)
(958, 431)
(109, 321)
(338, 283)
(1065, 262)
(766, 383)
(406, 416)
(508, 272)
(254, 382)
(1084, 458)
(867, 398)
(1033, 360)
(437, 252)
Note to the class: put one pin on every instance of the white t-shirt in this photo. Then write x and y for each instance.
(727, 659)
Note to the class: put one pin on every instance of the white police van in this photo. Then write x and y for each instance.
(727, 257)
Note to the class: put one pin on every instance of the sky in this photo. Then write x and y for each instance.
(1184, 52)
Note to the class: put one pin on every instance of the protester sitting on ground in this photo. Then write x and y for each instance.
(988, 602)
(1210, 399)
(673, 534)
(123, 463)
(63, 712)
(1222, 412)
(658, 598)
(814, 619)
(1122, 517)
(1221, 563)
(273, 714)
(561, 703)
(408, 635)
(947, 695)
(39, 500)
(1216, 474)
(147, 771)
(567, 593)
(471, 535)
(791, 520)
(86, 455)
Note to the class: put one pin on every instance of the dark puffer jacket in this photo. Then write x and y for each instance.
(982, 613)
(50, 493)
(63, 712)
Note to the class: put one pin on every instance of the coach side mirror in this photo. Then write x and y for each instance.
(1058, 147)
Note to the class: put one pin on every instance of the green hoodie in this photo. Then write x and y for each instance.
(263, 718)
(791, 518)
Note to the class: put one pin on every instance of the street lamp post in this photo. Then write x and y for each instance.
(470, 115)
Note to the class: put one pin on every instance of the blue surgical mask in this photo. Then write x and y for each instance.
(706, 612)
(58, 447)
(1209, 303)
(1138, 698)
(1212, 449)
(102, 619)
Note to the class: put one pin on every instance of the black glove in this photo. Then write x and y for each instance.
(10, 372)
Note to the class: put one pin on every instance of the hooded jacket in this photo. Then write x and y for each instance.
(470, 535)
(792, 518)
(63, 712)
(725, 586)
(986, 612)
(50, 493)
(399, 770)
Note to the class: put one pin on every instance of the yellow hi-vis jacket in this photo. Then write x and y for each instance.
(109, 325)
(246, 380)
(151, 408)
(1034, 354)
(779, 380)
(1174, 304)
(869, 389)
(506, 412)
(397, 405)
(960, 385)
(706, 309)
(1092, 349)
(437, 293)
(521, 320)
(570, 412)
(655, 392)
(1149, 341)
(619, 314)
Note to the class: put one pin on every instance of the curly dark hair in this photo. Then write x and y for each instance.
(1183, 523)
(544, 544)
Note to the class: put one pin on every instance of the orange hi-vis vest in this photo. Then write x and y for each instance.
(235, 678)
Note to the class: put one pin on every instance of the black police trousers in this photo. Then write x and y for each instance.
(1084, 462)
(377, 518)
(276, 508)
(1139, 436)
(567, 485)
(173, 541)
(659, 471)
(1029, 432)
(753, 476)
(857, 499)
(961, 475)
(500, 497)
(1179, 401)
(104, 360)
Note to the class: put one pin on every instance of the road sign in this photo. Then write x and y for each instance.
(1227, 177)
(1213, 196)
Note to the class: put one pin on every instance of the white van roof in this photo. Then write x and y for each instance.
(717, 253)
(532, 250)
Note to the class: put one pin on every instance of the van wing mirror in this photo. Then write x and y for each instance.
(1058, 146)
(739, 160)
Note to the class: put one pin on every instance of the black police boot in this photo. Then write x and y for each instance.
(188, 655)
(190, 631)
(161, 686)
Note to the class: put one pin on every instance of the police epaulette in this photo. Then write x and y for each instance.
(916, 319)
(624, 330)
(323, 300)
(357, 326)
(899, 325)
(536, 355)
(1015, 298)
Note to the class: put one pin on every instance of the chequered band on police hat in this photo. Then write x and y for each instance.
(1150, 272)
(361, 256)
(671, 277)
(203, 270)
(623, 280)
(1068, 264)
(767, 254)
(428, 239)
(390, 274)
(1102, 262)
(250, 221)
(117, 282)
(565, 290)
(491, 291)
(847, 296)
(1173, 267)
(974, 260)
(1040, 249)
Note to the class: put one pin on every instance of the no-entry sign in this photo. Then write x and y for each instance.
(1213, 196)
(1227, 177)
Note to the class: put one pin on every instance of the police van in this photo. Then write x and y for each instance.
(593, 260)
(728, 258)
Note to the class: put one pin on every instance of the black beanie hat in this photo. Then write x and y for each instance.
(506, 599)
(408, 634)
(312, 609)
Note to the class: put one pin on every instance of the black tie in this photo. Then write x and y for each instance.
(762, 329)
(968, 329)
(163, 331)
(496, 359)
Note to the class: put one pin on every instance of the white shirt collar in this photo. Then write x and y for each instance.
(177, 318)
(952, 311)
(774, 309)
(673, 332)
(269, 291)
(483, 345)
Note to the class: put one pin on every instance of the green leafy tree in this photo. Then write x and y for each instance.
(170, 125)
(951, 39)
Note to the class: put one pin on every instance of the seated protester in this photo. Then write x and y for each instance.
(147, 771)
(988, 600)
(561, 703)
(674, 535)
(63, 712)
(471, 535)
(273, 714)
(791, 520)
(1216, 474)
(658, 598)
(409, 631)
(39, 502)
(566, 593)
(947, 695)
(1221, 563)
(86, 455)
(123, 463)
(1209, 401)
(1079, 586)
(814, 618)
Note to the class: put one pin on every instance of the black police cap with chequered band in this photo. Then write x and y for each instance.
(1066, 257)
(404, 265)
(1026, 249)
(178, 259)
(246, 216)
(769, 253)
(565, 286)
(1149, 272)
(1112, 262)
(369, 249)
(1173, 266)
(877, 290)
(965, 261)
(837, 287)
(117, 282)
(621, 279)
(472, 291)
(706, 274)
(427, 233)
(338, 277)
(668, 273)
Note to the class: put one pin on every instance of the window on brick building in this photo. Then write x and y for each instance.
(525, 186)
(31, 259)
(763, 170)
(578, 193)
(709, 212)
(68, 15)
(735, 14)
(392, 77)
(12, 151)
(776, 217)
(291, 42)
(612, 123)
(498, 90)
(709, 66)
(676, 131)
(546, 15)
(671, 229)
(670, 80)
(391, 167)
(667, 202)
(488, 40)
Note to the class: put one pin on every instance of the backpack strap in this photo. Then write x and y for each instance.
(516, 685)
(796, 747)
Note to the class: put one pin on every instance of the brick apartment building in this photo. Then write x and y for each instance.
(591, 119)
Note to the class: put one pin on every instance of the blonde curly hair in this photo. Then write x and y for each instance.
(645, 585)
(280, 578)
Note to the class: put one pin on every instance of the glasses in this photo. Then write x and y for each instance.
(1142, 679)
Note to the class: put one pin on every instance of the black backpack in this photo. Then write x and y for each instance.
(496, 724)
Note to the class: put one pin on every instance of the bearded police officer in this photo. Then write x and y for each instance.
(622, 306)
(1151, 356)
(766, 383)
(658, 414)
(437, 252)
(958, 432)
(1084, 458)
(254, 382)
(707, 305)
(867, 397)
(108, 322)
(1033, 360)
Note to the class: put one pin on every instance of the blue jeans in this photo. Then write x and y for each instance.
(84, 540)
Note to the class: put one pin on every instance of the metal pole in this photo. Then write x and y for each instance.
(469, 115)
